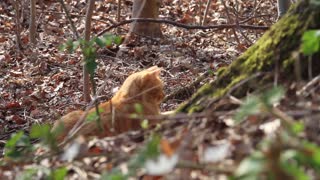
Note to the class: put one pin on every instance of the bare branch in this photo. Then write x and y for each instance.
(181, 25)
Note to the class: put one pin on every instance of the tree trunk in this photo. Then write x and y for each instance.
(146, 9)
(275, 54)
(32, 24)
(17, 29)
(87, 32)
(283, 6)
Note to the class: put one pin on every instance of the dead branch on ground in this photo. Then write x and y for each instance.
(181, 25)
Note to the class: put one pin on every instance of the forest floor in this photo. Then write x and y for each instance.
(40, 84)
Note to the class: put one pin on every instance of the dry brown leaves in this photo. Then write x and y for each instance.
(39, 84)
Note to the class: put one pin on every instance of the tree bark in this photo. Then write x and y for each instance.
(17, 29)
(271, 56)
(283, 6)
(146, 9)
(32, 24)
(87, 32)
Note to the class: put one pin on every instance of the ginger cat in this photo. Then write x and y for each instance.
(144, 87)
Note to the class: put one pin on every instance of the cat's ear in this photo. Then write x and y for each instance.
(154, 70)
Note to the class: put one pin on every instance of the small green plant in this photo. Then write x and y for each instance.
(47, 137)
(18, 146)
(47, 173)
(138, 108)
(310, 42)
(278, 159)
(251, 166)
(29, 174)
(139, 114)
(58, 174)
(150, 151)
(283, 155)
(19, 149)
(258, 104)
(89, 51)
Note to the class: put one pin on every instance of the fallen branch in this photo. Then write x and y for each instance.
(183, 164)
(187, 91)
(217, 27)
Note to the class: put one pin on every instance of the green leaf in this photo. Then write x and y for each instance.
(92, 116)
(211, 72)
(288, 155)
(138, 108)
(114, 175)
(145, 124)
(310, 154)
(251, 166)
(297, 127)
(44, 133)
(59, 130)
(68, 46)
(89, 53)
(249, 107)
(152, 149)
(28, 174)
(14, 139)
(59, 174)
(293, 169)
(99, 42)
(91, 66)
(108, 38)
(40, 131)
(18, 146)
(253, 104)
(134, 116)
(75, 45)
(273, 95)
(117, 40)
(311, 42)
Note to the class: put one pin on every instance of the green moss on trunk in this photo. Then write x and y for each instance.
(276, 45)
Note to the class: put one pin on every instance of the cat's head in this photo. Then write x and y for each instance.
(145, 85)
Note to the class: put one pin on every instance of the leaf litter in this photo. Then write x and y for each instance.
(40, 84)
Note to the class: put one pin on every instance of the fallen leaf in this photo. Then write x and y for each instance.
(12, 105)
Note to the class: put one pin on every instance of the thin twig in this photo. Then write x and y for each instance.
(206, 12)
(229, 20)
(286, 119)
(73, 27)
(181, 25)
(253, 17)
(242, 82)
(313, 82)
(200, 12)
(189, 87)
(310, 67)
(240, 29)
(206, 167)
(104, 20)
(119, 14)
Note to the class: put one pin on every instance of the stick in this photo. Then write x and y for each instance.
(181, 25)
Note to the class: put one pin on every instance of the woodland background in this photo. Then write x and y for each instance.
(39, 83)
